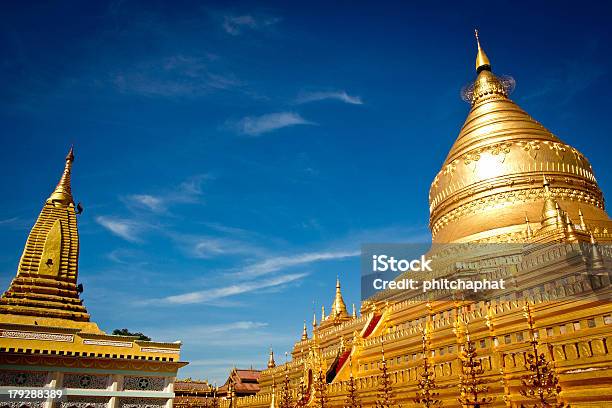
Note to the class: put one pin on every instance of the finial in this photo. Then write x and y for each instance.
(271, 362)
(354, 312)
(62, 195)
(322, 313)
(482, 61)
(338, 308)
(582, 223)
(314, 320)
(305, 332)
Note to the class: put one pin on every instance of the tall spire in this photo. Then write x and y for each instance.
(305, 332)
(46, 287)
(338, 308)
(62, 195)
(271, 362)
(482, 61)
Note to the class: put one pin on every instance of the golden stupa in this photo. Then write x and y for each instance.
(514, 202)
(492, 177)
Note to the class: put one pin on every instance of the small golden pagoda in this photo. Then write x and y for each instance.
(47, 338)
(513, 202)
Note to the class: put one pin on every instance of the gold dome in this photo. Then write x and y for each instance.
(493, 175)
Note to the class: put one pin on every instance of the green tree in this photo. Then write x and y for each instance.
(126, 332)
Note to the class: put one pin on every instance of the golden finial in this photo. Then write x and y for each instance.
(582, 223)
(482, 61)
(62, 195)
(322, 313)
(338, 308)
(271, 362)
(354, 312)
(305, 332)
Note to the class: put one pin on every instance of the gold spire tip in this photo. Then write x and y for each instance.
(482, 61)
(62, 195)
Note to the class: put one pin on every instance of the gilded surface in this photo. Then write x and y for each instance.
(506, 179)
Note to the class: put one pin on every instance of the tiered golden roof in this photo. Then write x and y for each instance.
(492, 177)
(45, 288)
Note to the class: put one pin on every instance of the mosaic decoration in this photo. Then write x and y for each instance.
(144, 383)
(85, 381)
(107, 343)
(159, 350)
(25, 335)
(23, 378)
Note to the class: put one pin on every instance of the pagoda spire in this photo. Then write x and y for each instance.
(46, 287)
(62, 195)
(271, 362)
(305, 332)
(338, 308)
(482, 61)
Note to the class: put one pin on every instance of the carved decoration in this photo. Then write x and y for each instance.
(144, 383)
(23, 378)
(86, 381)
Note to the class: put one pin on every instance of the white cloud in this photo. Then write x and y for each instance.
(155, 204)
(210, 295)
(257, 125)
(275, 264)
(189, 191)
(236, 25)
(337, 95)
(124, 228)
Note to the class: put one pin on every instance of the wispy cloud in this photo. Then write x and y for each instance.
(236, 25)
(174, 76)
(155, 204)
(206, 247)
(188, 192)
(278, 263)
(14, 223)
(258, 125)
(210, 295)
(127, 229)
(342, 96)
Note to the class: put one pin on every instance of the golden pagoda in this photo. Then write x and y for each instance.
(514, 202)
(47, 338)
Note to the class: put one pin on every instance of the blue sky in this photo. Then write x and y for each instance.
(232, 158)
